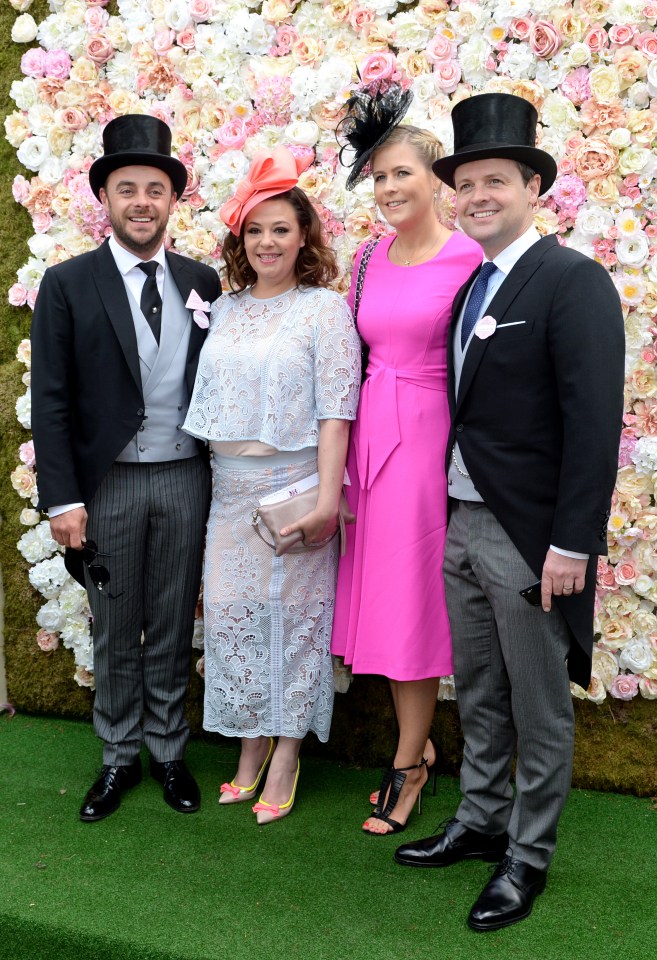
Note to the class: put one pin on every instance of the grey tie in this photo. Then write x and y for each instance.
(151, 301)
(477, 297)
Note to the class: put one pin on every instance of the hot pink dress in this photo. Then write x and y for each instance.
(390, 615)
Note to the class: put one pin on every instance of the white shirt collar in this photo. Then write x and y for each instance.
(507, 259)
(126, 261)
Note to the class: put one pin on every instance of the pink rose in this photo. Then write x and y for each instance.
(31, 298)
(72, 119)
(624, 686)
(200, 10)
(96, 19)
(622, 33)
(232, 135)
(439, 48)
(544, 39)
(360, 16)
(20, 189)
(42, 222)
(26, 453)
(58, 64)
(164, 40)
(448, 75)
(33, 62)
(647, 44)
(286, 37)
(596, 39)
(378, 66)
(17, 295)
(625, 573)
(99, 49)
(47, 641)
(520, 28)
(186, 39)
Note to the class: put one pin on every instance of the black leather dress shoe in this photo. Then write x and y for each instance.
(457, 842)
(508, 896)
(180, 788)
(105, 795)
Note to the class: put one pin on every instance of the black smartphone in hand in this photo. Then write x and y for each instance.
(532, 594)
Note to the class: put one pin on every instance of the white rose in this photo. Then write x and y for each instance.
(409, 33)
(651, 78)
(579, 54)
(596, 692)
(24, 93)
(116, 33)
(21, 5)
(633, 251)
(593, 220)
(73, 599)
(24, 410)
(31, 273)
(33, 152)
(41, 245)
(633, 159)
(559, 115)
(639, 94)
(29, 517)
(624, 11)
(620, 138)
(472, 58)
(177, 15)
(50, 617)
(305, 133)
(637, 655)
(37, 544)
(604, 666)
(643, 585)
(581, 242)
(24, 29)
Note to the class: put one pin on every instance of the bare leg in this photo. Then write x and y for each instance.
(415, 703)
(252, 757)
(282, 771)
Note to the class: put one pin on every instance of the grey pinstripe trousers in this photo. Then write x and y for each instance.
(151, 519)
(512, 689)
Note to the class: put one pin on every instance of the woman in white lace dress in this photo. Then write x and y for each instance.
(276, 387)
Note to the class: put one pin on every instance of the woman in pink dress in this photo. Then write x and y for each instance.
(390, 615)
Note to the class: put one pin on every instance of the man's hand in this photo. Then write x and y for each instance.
(562, 576)
(69, 529)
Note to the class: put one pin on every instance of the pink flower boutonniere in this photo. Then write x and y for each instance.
(200, 307)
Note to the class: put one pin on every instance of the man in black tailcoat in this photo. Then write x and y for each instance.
(535, 361)
(116, 337)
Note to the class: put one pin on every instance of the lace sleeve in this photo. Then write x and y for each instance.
(336, 359)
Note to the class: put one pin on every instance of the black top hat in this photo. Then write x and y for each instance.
(141, 140)
(496, 125)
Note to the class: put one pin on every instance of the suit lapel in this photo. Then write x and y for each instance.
(183, 275)
(499, 306)
(111, 290)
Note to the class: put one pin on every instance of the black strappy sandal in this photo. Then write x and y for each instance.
(393, 780)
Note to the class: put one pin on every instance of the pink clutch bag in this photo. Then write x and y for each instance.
(274, 516)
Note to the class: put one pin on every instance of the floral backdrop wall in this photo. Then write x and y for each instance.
(232, 77)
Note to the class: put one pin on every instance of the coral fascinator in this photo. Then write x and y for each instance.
(271, 173)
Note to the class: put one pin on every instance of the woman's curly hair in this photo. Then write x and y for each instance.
(316, 265)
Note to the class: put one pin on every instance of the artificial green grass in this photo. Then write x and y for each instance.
(151, 884)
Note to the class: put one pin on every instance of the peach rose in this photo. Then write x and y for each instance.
(520, 28)
(308, 50)
(595, 158)
(47, 641)
(360, 16)
(72, 119)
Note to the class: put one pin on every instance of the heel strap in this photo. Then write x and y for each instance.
(414, 766)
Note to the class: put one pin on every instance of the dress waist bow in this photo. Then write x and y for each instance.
(377, 440)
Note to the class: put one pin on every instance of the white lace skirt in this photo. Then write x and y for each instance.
(268, 619)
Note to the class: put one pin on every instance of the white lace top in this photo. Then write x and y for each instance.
(271, 369)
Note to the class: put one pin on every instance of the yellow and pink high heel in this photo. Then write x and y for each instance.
(233, 793)
(268, 812)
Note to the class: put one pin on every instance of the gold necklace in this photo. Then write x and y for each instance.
(419, 256)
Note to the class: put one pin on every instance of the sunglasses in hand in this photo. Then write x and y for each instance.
(99, 574)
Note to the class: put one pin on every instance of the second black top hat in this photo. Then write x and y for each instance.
(137, 139)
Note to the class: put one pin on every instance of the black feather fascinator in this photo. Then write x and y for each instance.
(372, 114)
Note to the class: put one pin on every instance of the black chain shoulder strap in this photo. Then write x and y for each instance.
(360, 280)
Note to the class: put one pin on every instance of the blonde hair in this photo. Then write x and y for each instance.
(427, 146)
